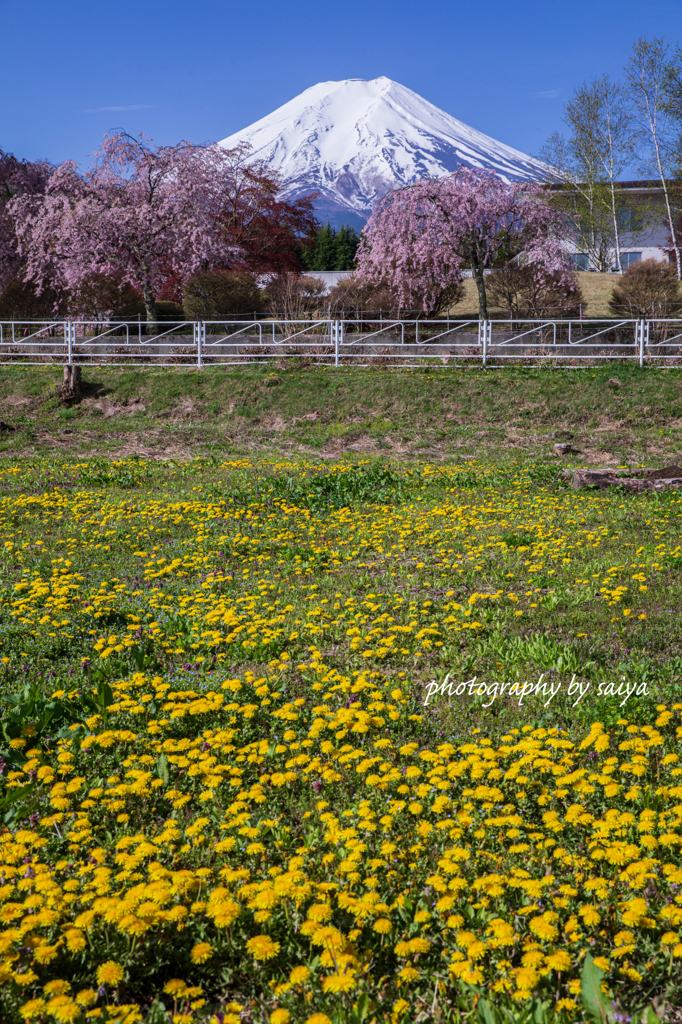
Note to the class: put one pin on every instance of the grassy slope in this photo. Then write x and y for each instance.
(440, 414)
(596, 289)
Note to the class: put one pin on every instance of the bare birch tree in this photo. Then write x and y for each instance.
(650, 77)
(614, 145)
(587, 164)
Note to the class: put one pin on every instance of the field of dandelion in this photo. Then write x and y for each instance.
(224, 799)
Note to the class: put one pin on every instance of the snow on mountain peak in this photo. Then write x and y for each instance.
(353, 141)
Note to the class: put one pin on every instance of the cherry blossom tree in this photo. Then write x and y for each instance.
(139, 211)
(149, 214)
(420, 238)
(17, 178)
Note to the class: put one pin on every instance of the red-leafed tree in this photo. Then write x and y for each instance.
(420, 238)
(150, 214)
(265, 230)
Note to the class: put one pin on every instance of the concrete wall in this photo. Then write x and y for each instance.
(329, 277)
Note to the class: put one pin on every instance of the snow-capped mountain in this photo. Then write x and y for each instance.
(353, 141)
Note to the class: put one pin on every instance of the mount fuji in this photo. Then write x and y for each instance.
(353, 141)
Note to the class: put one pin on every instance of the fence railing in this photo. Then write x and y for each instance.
(340, 342)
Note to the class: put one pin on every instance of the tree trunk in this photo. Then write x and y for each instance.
(70, 390)
(149, 303)
(616, 232)
(668, 206)
(477, 272)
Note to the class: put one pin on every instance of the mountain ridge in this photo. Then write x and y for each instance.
(354, 140)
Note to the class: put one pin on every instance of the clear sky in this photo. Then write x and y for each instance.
(203, 69)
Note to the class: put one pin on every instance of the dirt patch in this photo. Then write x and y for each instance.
(179, 452)
(109, 408)
(597, 456)
(276, 423)
(185, 409)
(16, 402)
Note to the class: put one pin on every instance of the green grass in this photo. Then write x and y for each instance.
(438, 413)
(416, 536)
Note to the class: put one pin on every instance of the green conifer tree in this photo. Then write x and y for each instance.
(331, 249)
(347, 240)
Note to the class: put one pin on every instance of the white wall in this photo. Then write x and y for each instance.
(329, 277)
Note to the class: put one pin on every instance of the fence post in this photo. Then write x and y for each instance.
(643, 325)
(336, 331)
(69, 343)
(483, 338)
(197, 337)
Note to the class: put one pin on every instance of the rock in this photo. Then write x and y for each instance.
(565, 449)
(593, 478)
(638, 486)
(67, 431)
(668, 478)
(6, 428)
(667, 473)
(565, 434)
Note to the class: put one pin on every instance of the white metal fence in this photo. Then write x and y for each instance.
(340, 342)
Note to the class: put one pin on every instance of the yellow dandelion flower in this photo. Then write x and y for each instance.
(110, 973)
(202, 952)
(86, 997)
(175, 987)
(75, 940)
(419, 945)
(33, 1008)
(409, 974)
(280, 1016)
(559, 961)
(299, 975)
(382, 925)
(526, 978)
(63, 1009)
(318, 1018)
(261, 947)
(543, 928)
(339, 983)
(56, 988)
(224, 914)
(45, 954)
(590, 915)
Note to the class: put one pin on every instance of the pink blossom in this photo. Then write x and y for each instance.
(141, 212)
(420, 238)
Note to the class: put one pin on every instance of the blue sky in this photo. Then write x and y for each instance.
(73, 70)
